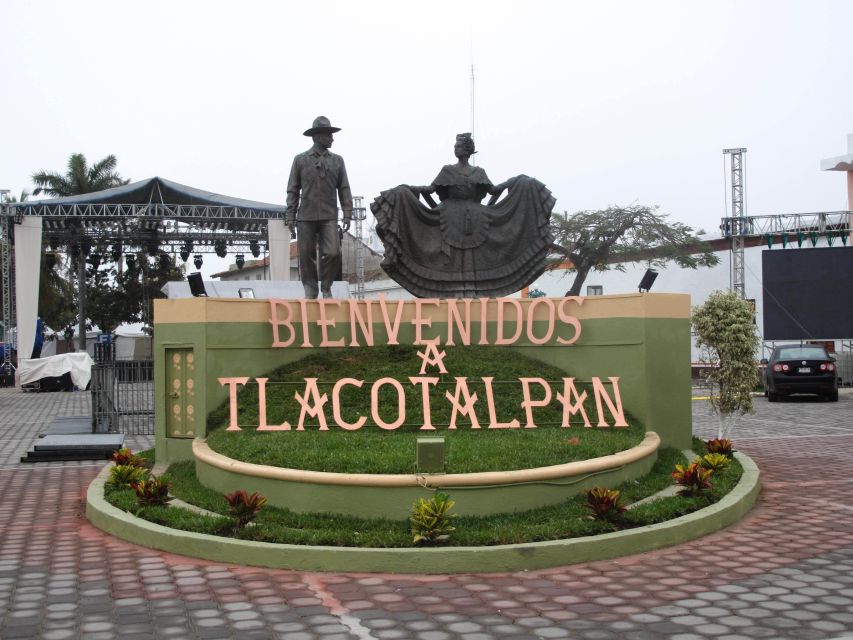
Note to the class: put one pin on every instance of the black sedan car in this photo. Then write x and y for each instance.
(795, 368)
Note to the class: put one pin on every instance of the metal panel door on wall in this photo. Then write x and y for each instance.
(180, 393)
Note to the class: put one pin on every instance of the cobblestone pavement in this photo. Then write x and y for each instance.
(785, 571)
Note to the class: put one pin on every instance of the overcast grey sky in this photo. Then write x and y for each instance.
(604, 102)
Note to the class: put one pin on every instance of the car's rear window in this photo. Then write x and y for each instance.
(802, 353)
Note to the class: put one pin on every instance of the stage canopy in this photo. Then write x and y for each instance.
(153, 192)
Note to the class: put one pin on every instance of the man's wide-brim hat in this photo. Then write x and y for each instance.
(321, 125)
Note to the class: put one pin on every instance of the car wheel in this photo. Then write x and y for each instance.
(772, 396)
(833, 397)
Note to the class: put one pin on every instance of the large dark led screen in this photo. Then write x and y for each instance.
(808, 293)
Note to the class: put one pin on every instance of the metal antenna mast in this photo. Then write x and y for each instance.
(359, 213)
(472, 99)
(738, 219)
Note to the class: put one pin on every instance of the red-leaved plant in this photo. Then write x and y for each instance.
(244, 507)
(692, 478)
(605, 504)
(126, 457)
(152, 492)
(719, 445)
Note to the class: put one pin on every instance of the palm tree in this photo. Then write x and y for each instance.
(80, 178)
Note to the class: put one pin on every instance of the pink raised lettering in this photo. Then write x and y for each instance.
(466, 408)
(519, 321)
(614, 405)
(420, 321)
(493, 418)
(572, 403)
(325, 322)
(232, 383)
(374, 403)
(277, 322)
(336, 405)
(569, 319)
(531, 312)
(528, 404)
(460, 320)
(357, 320)
(425, 383)
(262, 410)
(311, 405)
(391, 328)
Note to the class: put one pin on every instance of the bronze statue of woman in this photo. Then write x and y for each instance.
(462, 248)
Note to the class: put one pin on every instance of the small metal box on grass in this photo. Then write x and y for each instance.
(430, 455)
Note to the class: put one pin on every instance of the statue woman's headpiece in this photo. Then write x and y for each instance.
(467, 140)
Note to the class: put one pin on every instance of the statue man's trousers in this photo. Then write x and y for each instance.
(310, 236)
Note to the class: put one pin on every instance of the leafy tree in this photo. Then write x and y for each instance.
(727, 340)
(142, 283)
(608, 238)
(79, 178)
(57, 304)
(107, 301)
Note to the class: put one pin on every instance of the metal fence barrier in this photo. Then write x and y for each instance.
(122, 394)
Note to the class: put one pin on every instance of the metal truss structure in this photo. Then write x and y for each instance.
(834, 223)
(9, 315)
(117, 229)
(738, 279)
(359, 213)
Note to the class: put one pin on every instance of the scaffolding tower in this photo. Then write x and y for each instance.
(738, 284)
(359, 214)
(7, 263)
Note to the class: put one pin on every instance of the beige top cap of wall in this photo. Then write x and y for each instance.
(629, 305)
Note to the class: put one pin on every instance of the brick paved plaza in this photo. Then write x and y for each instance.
(785, 571)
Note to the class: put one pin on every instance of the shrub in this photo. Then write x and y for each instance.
(605, 504)
(152, 492)
(125, 457)
(430, 519)
(124, 475)
(692, 478)
(243, 507)
(727, 340)
(713, 461)
(720, 445)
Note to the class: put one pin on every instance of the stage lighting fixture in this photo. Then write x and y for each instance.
(648, 280)
(185, 255)
(115, 253)
(240, 260)
(220, 248)
(95, 260)
(130, 260)
(198, 260)
(254, 248)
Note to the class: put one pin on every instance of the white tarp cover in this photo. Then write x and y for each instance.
(78, 364)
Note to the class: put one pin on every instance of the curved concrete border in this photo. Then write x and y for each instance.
(648, 445)
(391, 495)
(515, 557)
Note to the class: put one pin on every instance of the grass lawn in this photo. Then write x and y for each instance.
(566, 520)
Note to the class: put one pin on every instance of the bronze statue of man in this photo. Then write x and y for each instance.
(318, 179)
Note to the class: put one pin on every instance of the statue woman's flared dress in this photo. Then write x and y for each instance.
(462, 248)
